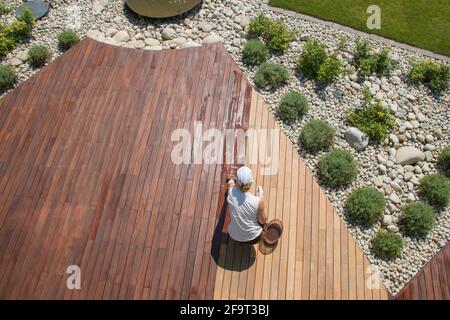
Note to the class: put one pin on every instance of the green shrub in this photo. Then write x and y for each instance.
(365, 205)
(384, 63)
(366, 66)
(343, 43)
(317, 135)
(418, 219)
(368, 62)
(330, 70)
(254, 52)
(338, 168)
(435, 75)
(387, 245)
(258, 25)
(271, 76)
(39, 55)
(314, 55)
(316, 64)
(4, 9)
(373, 119)
(16, 31)
(20, 29)
(275, 33)
(27, 17)
(278, 37)
(7, 77)
(293, 106)
(6, 44)
(67, 39)
(443, 161)
(435, 189)
(362, 50)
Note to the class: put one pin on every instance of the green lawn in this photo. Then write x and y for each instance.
(421, 23)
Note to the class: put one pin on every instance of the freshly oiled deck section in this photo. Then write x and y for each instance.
(86, 176)
(316, 257)
(432, 282)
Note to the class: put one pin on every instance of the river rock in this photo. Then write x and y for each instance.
(357, 139)
(409, 155)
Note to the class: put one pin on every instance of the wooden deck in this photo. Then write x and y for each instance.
(86, 179)
(432, 282)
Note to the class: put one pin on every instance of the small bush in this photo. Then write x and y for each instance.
(254, 52)
(418, 219)
(362, 50)
(67, 39)
(7, 77)
(317, 135)
(27, 17)
(443, 161)
(4, 9)
(16, 31)
(368, 63)
(39, 55)
(435, 189)
(384, 63)
(316, 64)
(271, 76)
(258, 26)
(278, 37)
(330, 70)
(343, 43)
(366, 66)
(6, 44)
(365, 206)
(387, 245)
(314, 55)
(373, 119)
(435, 75)
(275, 33)
(338, 168)
(293, 106)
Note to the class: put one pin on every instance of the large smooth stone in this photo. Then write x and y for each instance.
(212, 38)
(161, 8)
(409, 155)
(356, 138)
(38, 8)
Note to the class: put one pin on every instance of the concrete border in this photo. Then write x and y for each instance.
(356, 32)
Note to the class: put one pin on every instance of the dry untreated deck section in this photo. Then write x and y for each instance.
(86, 179)
(316, 257)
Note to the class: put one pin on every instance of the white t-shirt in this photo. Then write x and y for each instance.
(244, 224)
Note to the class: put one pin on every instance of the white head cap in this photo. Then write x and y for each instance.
(244, 175)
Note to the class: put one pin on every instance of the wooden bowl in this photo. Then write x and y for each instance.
(273, 233)
(161, 8)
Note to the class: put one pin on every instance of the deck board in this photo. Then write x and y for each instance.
(432, 282)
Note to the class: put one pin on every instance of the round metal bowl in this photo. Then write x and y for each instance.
(161, 8)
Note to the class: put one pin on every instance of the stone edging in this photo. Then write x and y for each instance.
(356, 32)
